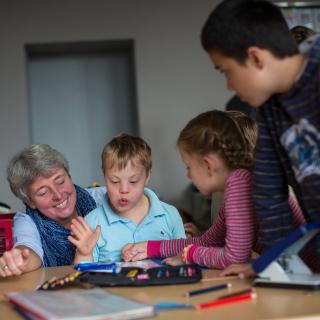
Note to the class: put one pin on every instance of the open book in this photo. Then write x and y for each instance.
(90, 304)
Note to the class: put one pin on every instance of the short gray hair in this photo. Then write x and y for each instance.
(30, 163)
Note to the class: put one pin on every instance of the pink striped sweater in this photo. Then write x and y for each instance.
(232, 237)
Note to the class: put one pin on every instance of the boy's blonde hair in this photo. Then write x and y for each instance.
(221, 133)
(125, 148)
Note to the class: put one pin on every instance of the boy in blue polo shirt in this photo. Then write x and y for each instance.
(130, 212)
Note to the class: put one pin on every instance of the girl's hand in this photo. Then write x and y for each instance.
(174, 261)
(134, 251)
(83, 237)
(192, 229)
(243, 270)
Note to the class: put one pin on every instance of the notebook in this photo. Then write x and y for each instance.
(90, 304)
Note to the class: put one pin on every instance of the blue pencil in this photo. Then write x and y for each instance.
(209, 289)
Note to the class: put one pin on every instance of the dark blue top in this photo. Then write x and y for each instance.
(288, 153)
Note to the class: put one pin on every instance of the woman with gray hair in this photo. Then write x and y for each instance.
(39, 176)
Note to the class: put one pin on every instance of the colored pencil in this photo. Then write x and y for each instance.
(226, 300)
(236, 293)
(209, 289)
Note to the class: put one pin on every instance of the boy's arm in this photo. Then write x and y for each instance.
(270, 189)
(135, 251)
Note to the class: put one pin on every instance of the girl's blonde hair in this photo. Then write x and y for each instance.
(249, 129)
(125, 148)
(230, 135)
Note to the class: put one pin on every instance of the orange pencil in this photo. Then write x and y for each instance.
(226, 300)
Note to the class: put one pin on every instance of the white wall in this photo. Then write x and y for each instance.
(175, 79)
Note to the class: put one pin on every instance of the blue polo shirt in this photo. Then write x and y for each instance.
(163, 222)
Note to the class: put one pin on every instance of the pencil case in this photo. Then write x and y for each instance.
(128, 276)
(132, 276)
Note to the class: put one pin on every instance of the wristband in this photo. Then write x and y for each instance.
(184, 255)
(154, 249)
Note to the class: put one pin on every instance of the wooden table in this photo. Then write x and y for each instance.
(270, 303)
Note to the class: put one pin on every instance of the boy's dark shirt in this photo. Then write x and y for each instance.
(235, 103)
(288, 152)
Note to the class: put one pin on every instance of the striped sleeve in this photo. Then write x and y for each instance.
(215, 236)
(298, 217)
(239, 226)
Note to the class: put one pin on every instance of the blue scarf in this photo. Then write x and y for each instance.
(57, 250)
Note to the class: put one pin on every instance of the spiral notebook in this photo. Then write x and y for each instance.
(90, 304)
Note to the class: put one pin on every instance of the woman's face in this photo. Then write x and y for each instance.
(54, 196)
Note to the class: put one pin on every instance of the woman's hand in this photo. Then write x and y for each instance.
(16, 261)
(134, 251)
(83, 237)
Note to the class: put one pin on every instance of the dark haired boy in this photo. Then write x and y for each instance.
(251, 44)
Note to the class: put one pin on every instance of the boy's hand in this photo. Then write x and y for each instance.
(13, 262)
(174, 261)
(134, 251)
(192, 229)
(83, 237)
(242, 270)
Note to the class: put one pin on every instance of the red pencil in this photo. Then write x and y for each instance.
(219, 302)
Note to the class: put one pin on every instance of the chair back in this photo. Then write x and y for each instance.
(6, 238)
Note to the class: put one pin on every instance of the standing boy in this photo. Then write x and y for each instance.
(130, 212)
(251, 44)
